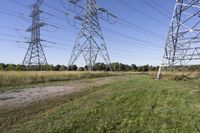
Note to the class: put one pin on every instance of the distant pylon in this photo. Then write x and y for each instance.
(35, 55)
(90, 41)
(183, 40)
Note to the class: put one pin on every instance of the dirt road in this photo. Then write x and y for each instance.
(28, 95)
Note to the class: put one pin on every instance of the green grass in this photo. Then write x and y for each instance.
(137, 105)
(12, 80)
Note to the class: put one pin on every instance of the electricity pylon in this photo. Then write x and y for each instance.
(183, 42)
(35, 55)
(90, 41)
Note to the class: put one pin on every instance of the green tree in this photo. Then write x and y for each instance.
(134, 67)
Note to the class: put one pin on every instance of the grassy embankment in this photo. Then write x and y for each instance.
(175, 75)
(139, 104)
(16, 80)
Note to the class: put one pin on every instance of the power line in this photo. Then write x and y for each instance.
(50, 36)
(162, 8)
(118, 51)
(57, 43)
(128, 24)
(155, 8)
(137, 10)
(122, 20)
(117, 54)
(14, 13)
(126, 36)
(119, 34)
(134, 45)
(61, 27)
(58, 26)
(8, 35)
(8, 40)
(18, 3)
(8, 13)
(115, 40)
(139, 28)
(13, 36)
(114, 32)
(18, 41)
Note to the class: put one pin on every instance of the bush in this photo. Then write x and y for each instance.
(181, 77)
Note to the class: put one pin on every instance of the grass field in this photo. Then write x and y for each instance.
(139, 104)
(14, 80)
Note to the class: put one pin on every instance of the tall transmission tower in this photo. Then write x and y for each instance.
(183, 41)
(35, 55)
(90, 41)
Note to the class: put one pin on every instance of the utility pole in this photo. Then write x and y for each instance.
(90, 41)
(183, 40)
(35, 55)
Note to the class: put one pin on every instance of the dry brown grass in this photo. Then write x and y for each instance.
(14, 79)
(176, 75)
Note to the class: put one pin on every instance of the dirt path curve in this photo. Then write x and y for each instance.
(28, 95)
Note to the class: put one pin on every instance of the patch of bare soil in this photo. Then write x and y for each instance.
(29, 95)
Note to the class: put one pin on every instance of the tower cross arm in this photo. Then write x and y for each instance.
(106, 15)
(39, 2)
(74, 1)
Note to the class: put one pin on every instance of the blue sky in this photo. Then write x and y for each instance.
(123, 45)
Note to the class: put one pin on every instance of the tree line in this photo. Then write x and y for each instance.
(97, 67)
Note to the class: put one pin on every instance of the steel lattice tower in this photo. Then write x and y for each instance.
(183, 42)
(35, 55)
(90, 41)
